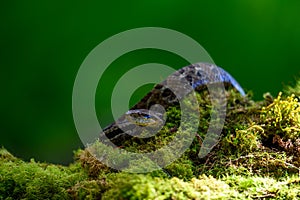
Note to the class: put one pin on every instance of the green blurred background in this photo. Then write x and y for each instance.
(44, 43)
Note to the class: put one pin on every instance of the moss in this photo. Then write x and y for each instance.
(282, 117)
(257, 156)
(88, 189)
(182, 168)
(267, 144)
(6, 156)
(133, 186)
(243, 141)
(32, 180)
(91, 165)
(293, 89)
(257, 187)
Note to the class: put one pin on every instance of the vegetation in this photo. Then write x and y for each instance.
(257, 156)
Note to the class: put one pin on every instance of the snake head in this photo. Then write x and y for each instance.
(142, 123)
(145, 118)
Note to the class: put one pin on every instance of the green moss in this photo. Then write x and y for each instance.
(133, 186)
(21, 180)
(6, 156)
(282, 117)
(267, 144)
(182, 168)
(257, 187)
(88, 189)
(243, 141)
(295, 89)
(256, 156)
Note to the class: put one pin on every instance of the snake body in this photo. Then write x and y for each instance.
(198, 76)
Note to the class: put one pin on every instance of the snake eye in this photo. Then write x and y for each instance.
(142, 118)
(147, 116)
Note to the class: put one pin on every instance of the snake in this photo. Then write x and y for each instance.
(149, 111)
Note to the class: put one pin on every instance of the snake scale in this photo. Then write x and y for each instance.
(198, 76)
